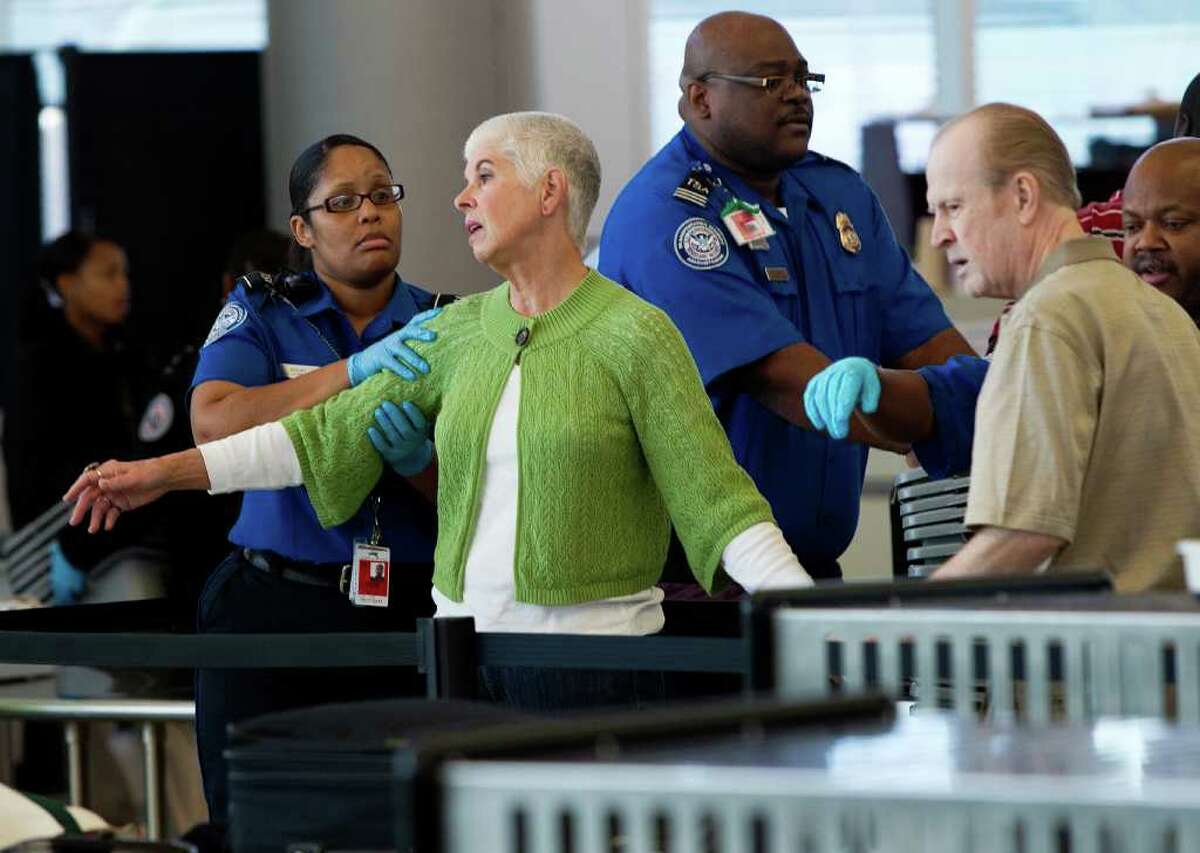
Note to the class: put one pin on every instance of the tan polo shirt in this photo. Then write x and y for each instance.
(1088, 424)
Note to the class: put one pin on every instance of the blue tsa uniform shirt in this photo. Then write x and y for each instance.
(953, 390)
(831, 275)
(260, 338)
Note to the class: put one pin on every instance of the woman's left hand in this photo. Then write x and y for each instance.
(108, 489)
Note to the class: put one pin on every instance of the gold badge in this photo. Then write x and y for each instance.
(846, 232)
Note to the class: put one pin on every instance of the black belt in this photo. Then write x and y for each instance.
(313, 574)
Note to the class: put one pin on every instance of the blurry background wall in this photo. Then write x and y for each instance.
(20, 213)
(416, 77)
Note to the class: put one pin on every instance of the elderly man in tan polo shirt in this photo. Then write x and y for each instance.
(1087, 442)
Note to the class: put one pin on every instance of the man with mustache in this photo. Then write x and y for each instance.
(1160, 242)
(1161, 215)
(937, 408)
(772, 260)
(1087, 451)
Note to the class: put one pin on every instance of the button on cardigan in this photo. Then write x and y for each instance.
(616, 440)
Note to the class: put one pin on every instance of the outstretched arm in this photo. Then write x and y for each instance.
(106, 490)
(258, 458)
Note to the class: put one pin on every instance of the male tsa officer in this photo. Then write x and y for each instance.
(772, 260)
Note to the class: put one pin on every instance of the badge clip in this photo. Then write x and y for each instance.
(745, 221)
(371, 569)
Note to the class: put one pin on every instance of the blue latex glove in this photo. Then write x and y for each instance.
(402, 437)
(833, 394)
(392, 353)
(67, 583)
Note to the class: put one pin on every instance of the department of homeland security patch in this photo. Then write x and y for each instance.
(231, 316)
(700, 245)
(157, 419)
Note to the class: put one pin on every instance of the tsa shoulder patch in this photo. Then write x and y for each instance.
(700, 245)
(231, 316)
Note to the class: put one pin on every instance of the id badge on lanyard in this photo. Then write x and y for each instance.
(371, 568)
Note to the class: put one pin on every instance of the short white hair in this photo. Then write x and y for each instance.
(537, 142)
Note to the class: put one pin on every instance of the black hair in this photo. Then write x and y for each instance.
(306, 173)
(263, 250)
(64, 254)
(1187, 122)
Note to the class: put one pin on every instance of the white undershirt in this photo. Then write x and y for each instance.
(489, 594)
(757, 558)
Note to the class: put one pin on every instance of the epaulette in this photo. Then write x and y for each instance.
(697, 185)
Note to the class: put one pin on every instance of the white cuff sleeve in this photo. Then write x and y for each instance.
(760, 558)
(258, 458)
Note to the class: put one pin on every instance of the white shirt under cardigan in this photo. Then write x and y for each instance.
(757, 558)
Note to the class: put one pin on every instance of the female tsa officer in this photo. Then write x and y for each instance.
(278, 348)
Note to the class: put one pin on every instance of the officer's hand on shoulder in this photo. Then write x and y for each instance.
(832, 396)
(401, 436)
(393, 353)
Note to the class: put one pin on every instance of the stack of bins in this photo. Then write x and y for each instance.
(930, 515)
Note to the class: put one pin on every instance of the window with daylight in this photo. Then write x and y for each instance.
(878, 57)
(42, 27)
(1102, 72)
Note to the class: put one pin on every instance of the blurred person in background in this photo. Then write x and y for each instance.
(264, 250)
(75, 367)
(83, 390)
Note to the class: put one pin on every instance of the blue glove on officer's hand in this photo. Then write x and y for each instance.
(67, 583)
(833, 394)
(402, 437)
(391, 353)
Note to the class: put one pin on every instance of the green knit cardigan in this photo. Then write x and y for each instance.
(616, 439)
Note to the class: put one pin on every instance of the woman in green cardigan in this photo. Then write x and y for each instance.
(571, 425)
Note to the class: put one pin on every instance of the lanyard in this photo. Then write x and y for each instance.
(336, 353)
(376, 529)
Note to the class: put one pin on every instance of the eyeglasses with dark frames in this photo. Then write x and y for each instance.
(806, 80)
(347, 202)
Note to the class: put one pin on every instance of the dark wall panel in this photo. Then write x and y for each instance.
(167, 157)
(20, 205)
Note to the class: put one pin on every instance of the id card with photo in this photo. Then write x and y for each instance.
(371, 575)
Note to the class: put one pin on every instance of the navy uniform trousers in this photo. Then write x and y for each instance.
(242, 598)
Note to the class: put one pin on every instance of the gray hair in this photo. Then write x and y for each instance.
(537, 142)
(1017, 139)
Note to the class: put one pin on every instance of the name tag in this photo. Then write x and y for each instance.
(369, 576)
(776, 273)
(291, 371)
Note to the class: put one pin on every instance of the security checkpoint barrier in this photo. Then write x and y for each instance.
(722, 637)
(930, 783)
(1040, 665)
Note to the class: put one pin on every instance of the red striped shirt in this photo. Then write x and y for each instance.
(1100, 219)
